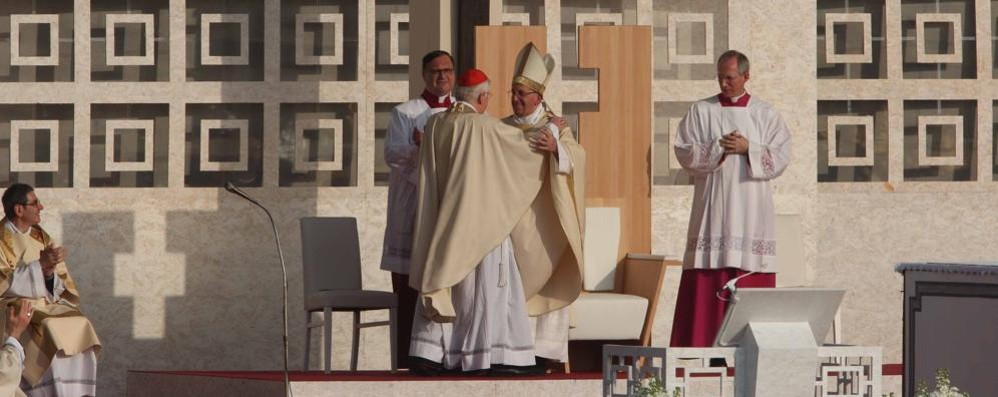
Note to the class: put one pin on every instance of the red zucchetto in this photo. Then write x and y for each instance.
(471, 78)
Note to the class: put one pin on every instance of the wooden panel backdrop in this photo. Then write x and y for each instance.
(496, 48)
(617, 138)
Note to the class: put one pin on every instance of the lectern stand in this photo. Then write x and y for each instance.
(777, 332)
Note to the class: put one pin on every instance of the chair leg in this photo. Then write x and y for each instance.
(356, 340)
(393, 331)
(327, 335)
(308, 340)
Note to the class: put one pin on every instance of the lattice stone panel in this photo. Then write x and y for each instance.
(637, 363)
(853, 370)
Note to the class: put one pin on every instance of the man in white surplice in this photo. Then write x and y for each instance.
(402, 155)
(733, 144)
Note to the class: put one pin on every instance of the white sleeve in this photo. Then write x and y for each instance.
(57, 289)
(564, 162)
(769, 159)
(27, 281)
(401, 153)
(698, 152)
(13, 342)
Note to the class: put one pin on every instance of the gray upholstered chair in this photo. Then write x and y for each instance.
(332, 283)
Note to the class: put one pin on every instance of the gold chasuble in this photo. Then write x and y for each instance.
(55, 327)
(479, 181)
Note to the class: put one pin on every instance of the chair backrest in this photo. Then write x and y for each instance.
(330, 253)
(600, 247)
(789, 252)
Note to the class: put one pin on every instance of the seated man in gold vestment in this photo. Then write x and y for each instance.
(60, 345)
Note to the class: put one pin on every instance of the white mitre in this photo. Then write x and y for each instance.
(533, 69)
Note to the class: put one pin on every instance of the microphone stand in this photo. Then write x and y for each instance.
(280, 252)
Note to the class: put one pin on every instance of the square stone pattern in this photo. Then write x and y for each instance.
(147, 128)
(396, 21)
(302, 164)
(956, 27)
(16, 20)
(16, 128)
(833, 157)
(516, 18)
(303, 55)
(923, 158)
(239, 165)
(677, 18)
(831, 19)
(206, 21)
(149, 37)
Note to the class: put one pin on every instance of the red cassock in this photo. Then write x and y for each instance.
(700, 308)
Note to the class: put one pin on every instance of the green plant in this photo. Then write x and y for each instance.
(650, 387)
(944, 388)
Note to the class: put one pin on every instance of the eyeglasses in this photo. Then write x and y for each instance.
(439, 72)
(36, 203)
(520, 94)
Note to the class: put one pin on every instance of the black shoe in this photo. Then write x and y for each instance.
(516, 370)
(423, 367)
(718, 362)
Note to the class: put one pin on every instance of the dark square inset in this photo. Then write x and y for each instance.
(850, 140)
(939, 38)
(320, 144)
(694, 33)
(125, 35)
(940, 140)
(224, 39)
(35, 40)
(33, 145)
(223, 145)
(130, 137)
(848, 38)
(323, 37)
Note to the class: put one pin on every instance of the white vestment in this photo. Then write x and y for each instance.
(491, 325)
(11, 363)
(732, 221)
(402, 156)
(551, 328)
(67, 376)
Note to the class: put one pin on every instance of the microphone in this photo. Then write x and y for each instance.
(229, 186)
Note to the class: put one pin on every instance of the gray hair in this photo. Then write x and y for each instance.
(743, 63)
(470, 94)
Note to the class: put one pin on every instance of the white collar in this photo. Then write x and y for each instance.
(735, 99)
(532, 118)
(11, 227)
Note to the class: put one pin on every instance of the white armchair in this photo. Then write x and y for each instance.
(620, 295)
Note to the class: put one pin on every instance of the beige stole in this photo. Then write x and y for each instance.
(54, 327)
(479, 183)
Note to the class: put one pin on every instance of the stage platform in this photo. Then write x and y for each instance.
(384, 383)
(361, 383)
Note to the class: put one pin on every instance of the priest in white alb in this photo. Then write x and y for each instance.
(60, 344)
(733, 144)
(472, 262)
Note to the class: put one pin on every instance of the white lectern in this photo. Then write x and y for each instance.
(777, 332)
